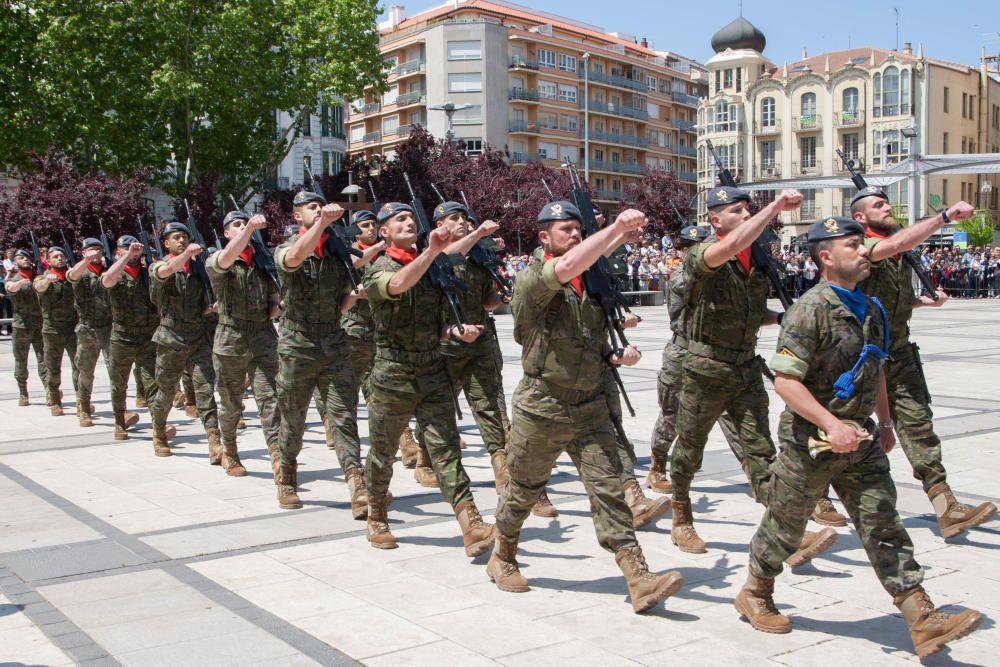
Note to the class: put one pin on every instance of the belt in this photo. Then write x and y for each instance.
(720, 353)
(680, 341)
(310, 327)
(407, 357)
(177, 325)
(574, 396)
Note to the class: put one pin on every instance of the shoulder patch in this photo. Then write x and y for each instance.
(788, 353)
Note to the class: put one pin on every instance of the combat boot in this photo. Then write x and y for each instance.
(643, 509)
(288, 497)
(160, 447)
(54, 401)
(274, 453)
(501, 475)
(826, 514)
(755, 602)
(191, 410)
(477, 535)
(121, 432)
(812, 545)
(954, 517)
(359, 495)
(22, 392)
(170, 431)
(83, 415)
(409, 450)
(214, 446)
(656, 478)
(930, 628)
(645, 588)
(543, 507)
(424, 473)
(231, 459)
(461, 443)
(179, 399)
(502, 566)
(328, 432)
(377, 529)
(140, 398)
(682, 533)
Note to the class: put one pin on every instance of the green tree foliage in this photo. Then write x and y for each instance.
(979, 228)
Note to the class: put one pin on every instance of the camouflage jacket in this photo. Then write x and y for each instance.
(27, 310)
(58, 308)
(92, 303)
(134, 318)
(246, 294)
(181, 300)
(410, 322)
(357, 321)
(891, 282)
(313, 292)
(481, 289)
(675, 302)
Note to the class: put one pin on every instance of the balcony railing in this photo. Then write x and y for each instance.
(614, 80)
(518, 61)
(416, 97)
(372, 138)
(524, 158)
(528, 94)
(617, 167)
(602, 106)
(849, 118)
(680, 124)
(401, 131)
(807, 167)
(690, 151)
(724, 126)
(766, 171)
(409, 67)
(774, 127)
(617, 138)
(523, 126)
(609, 195)
(806, 123)
(371, 107)
(838, 164)
(684, 98)
(687, 176)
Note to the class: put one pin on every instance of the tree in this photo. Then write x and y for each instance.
(662, 197)
(979, 228)
(185, 87)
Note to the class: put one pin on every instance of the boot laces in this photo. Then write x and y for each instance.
(826, 505)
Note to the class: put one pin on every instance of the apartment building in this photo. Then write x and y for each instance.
(321, 143)
(779, 123)
(544, 87)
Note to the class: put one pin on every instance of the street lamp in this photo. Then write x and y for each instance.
(586, 115)
(984, 191)
(910, 133)
(449, 108)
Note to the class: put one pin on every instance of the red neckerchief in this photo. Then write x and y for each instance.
(133, 270)
(320, 244)
(872, 234)
(247, 254)
(27, 274)
(59, 273)
(576, 283)
(187, 267)
(742, 255)
(404, 257)
(96, 269)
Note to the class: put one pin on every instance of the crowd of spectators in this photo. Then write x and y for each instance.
(972, 273)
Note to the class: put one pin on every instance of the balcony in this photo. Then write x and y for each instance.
(371, 107)
(807, 168)
(416, 97)
(523, 94)
(617, 167)
(372, 138)
(616, 138)
(525, 158)
(517, 62)
(684, 98)
(806, 123)
(409, 67)
(725, 126)
(609, 195)
(683, 125)
(889, 110)
(602, 106)
(849, 119)
(690, 151)
(614, 80)
(687, 176)
(766, 171)
(774, 127)
(400, 131)
(523, 126)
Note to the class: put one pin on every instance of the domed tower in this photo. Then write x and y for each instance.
(739, 34)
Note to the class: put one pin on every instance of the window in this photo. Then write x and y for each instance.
(904, 92)
(849, 144)
(357, 133)
(389, 125)
(651, 82)
(547, 150)
(849, 103)
(963, 145)
(547, 90)
(718, 80)
(324, 122)
(337, 120)
(568, 153)
(965, 96)
(546, 58)
(945, 99)
(307, 124)
(389, 97)
(473, 146)
(877, 101)
(568, 123)
(739, 79)
(807, 146)
(471, 50)
(768, 117)
(471, 116)
(727, 79)
(808, 203)
(972, 106)
(567, 93)
(768, 151)
(598, 153)
(809, 105)
(465, 82)
(326, 162)
(944, 189)
(567, 63)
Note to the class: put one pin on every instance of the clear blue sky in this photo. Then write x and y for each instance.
(952, 30)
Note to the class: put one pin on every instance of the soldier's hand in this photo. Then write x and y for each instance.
(469, 333)
(500, 246)
(845, 439)
(361, 292)
(275, 312)
(330, 212)
(438, 239)
(257, 222)
(488, 228)
(961, 211)
(380, 246)
(630, 356)
(631, 321)
(630, 220)
(134, 250)
(788, 200)
(193, 250)
(91, 253)
(887, 438)
(214, 308)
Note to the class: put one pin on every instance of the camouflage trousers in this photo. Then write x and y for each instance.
(624, 447)
(187, 386)
(90, 344)
(863, 482)
(254, 355)
(362, 357)
(170, 365)
(139, 358)
(22, 340)
(710, 388)
(542, 428)
(402, 386)
(55, 345)
(910, 405)
(474, 371)
(318, 363)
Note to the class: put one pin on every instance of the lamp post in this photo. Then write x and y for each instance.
(449, 108)
(586, 115)
(910, 133)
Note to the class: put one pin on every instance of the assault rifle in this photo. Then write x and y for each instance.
(334, 245)
(147, 251)
(910, 257)
(262, 258)
(67, 249)
(39, 265)
(484, 254)
(105, 245)
(198, 261)
(760, 252)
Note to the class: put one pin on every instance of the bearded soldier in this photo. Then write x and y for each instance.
(93, 333)
(27, 329)
(59, 318)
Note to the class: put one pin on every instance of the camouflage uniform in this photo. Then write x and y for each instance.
(245, 342)
(409, 379)
(722, 373)
(560, 404)
(93, 333)
(360, 332)
(58, 332)
(819, 340)
(133, 321)
(27, 334)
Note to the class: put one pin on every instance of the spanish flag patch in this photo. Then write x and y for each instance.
(788, 353)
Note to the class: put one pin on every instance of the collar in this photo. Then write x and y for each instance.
(404, 257)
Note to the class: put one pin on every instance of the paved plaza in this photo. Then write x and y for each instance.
(109, 555)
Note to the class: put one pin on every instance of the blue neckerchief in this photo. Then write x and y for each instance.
(844, 386)
(855, 301)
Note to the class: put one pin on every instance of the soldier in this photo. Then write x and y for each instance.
(245, 339)
(829, 371)
(133, 321)
(311, 344)
(27, 331)
(182, 338)
(93, 333)
(891, 282)
(409, 378)
(55, 296)
(559, 404)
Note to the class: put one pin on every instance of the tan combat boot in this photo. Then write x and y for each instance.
(328, 432)
(461, 443)
(424, 473)
(160, 446)
(179, 399)
(121, 432)
(170, 431)
(644, 510)
(359, 495)
(242, 423)
(214, 446)
(682, 533)
(231, 459)
(954, 517)
(22, 394)
(543, 507)
(83, 415)
(288, 497)
(812, 545)
(656, 478)
(501, 475)
(826, 514)
(502, 566)
(191, 410)
(930, 628)
(409, 450)
(140, 399)
(755, 602)
(379, 535)
(645, 588)
(274, 453)
(477, 535)
(54, 401)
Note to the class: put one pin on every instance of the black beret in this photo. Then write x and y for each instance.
(55, 248)
(361, 216)
(91, 242)
(833, 228)
(725, 195)
(291, 230)
(172, 227)
(694, 234)
(126, 240)
(559, 210)
(307, 196)
(391, 209)
(21, 252)
(444, 209)
(870, 191)
(232, 216)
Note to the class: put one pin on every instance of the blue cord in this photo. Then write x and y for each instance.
(844, 385)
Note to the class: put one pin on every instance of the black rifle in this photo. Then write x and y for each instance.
(105, 244)
(909, 256)
(39, 265)
(484, 254)
(218, 241)
(261, 255)
(198, 261)
(371, 189)
(67, 249)
(760, 252)
(335, 246)
(147, 251)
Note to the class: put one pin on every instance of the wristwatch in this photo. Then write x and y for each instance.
(944, 215)
(890, 425)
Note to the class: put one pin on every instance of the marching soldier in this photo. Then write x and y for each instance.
(245, 339)
(891, 281)
(410, 379)
(182, 338)
(93, 333)
(55, 296)
(27, 328)
(829, 371)
(560, 404)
